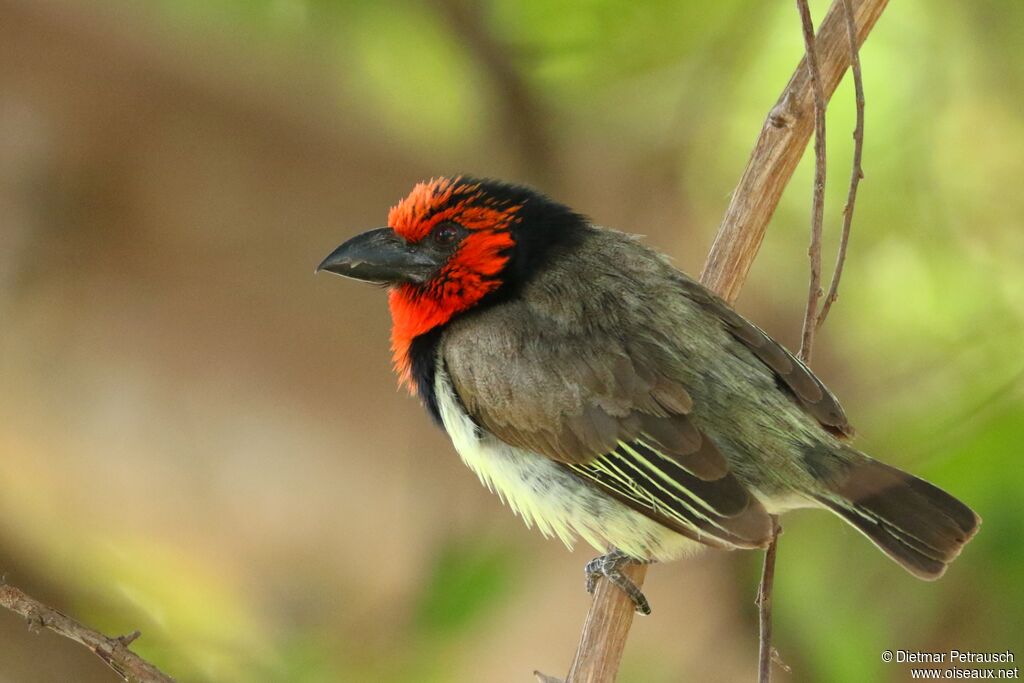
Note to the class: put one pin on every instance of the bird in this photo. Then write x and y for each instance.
(604, 395)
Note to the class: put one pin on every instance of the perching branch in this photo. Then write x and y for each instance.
(113, 651)
(605, 630)
(782, 141)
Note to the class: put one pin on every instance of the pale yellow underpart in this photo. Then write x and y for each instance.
(546, 495)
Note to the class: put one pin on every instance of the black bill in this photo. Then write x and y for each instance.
(382, 257)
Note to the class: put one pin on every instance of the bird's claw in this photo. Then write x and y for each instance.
(610, 567)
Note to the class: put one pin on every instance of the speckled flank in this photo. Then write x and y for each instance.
(546, 495)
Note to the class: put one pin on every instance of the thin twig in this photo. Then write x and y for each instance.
(764, 594)
(818, 203)
(781, 143)
(857, 173)
(113, 651)
(813, 319)
(767, 653)
(764, 610)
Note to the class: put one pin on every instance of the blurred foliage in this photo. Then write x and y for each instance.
(464, 585)
(652, 108)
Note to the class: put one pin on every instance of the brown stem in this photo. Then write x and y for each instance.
(764, 594)
(818, 202)
(113, 651)
(764, 606)
(605, 631)
(857, 173)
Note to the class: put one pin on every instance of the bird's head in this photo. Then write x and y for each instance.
(453, 244)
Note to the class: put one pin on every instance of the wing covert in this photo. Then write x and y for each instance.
(807, 389)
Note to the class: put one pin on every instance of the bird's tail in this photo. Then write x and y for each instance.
(915, 523)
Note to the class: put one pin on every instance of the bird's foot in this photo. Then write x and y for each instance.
(610, 567)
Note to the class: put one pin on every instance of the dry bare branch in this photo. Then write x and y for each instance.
(766, 652)
(767, 585)
(604, 633)
(818, 201)
(113, 651)
(857, 173)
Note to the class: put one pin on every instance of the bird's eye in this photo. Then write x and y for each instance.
(445, 234)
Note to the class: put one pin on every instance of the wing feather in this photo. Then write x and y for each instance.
(808, 390)
(720, 513)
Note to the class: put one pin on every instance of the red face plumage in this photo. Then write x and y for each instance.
(470, 273)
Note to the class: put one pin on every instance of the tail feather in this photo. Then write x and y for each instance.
(915, 523)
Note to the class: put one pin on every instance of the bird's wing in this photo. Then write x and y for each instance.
(610, 408)
(708, 505)
(809, 392)
(593, 364)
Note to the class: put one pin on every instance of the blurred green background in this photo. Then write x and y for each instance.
(201, 440)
